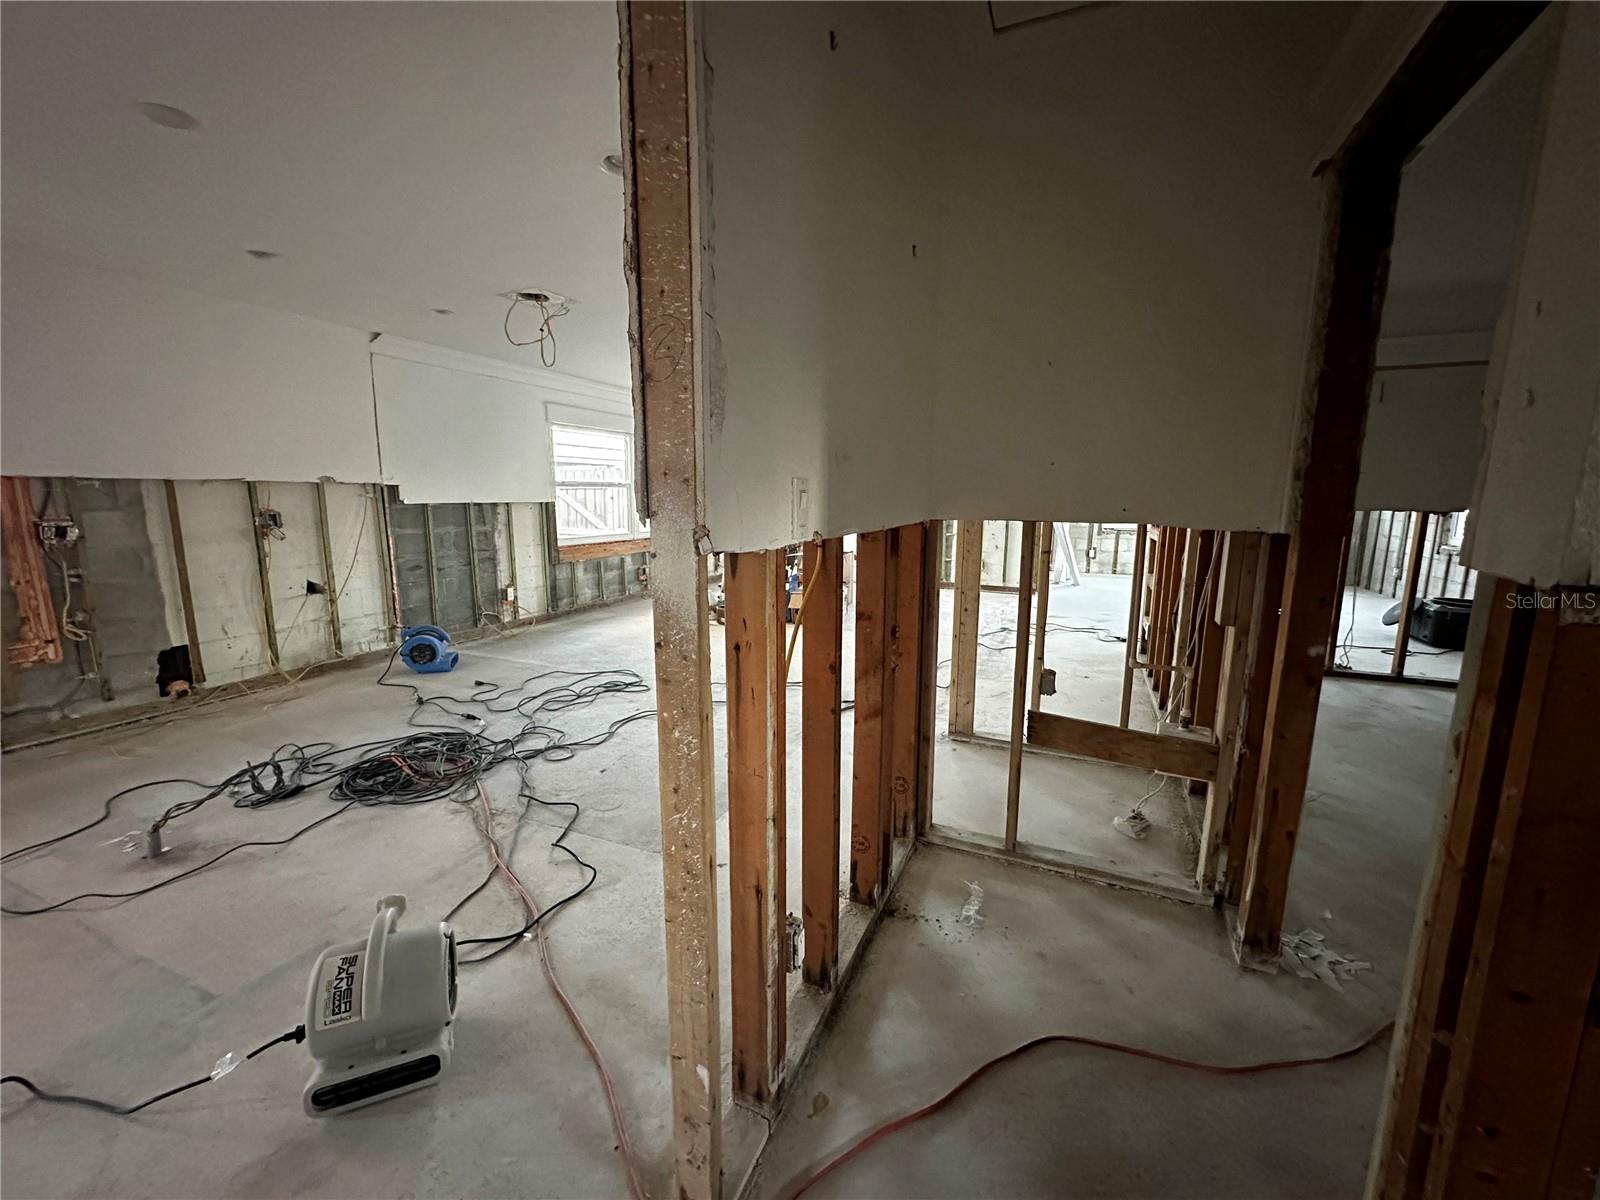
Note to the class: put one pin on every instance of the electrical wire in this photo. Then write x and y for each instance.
(547, 335)
(898, 1123)
(296, 1035)
(624, 1146)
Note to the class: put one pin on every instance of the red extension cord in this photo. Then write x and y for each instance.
(900, 1122)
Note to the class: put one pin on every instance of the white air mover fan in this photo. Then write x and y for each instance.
(379, 1014)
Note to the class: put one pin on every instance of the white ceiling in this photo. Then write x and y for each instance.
(1461, 201)
(399, 157)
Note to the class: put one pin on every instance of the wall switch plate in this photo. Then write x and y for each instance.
(799, 508)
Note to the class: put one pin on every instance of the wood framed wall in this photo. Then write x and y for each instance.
(1494, 1083)
(1361, 190)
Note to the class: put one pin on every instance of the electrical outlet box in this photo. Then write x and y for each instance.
(799, 508)
(58, 532)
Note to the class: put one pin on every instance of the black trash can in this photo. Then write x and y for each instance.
(1441, 621)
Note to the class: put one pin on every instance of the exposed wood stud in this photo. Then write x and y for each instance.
(259, 536)
(1042, 608)
(964, 654)
(1360, 207)
(1175, 688)
(870, 830)
(1019, 684)
(1253, 720)
(929, 672)
(1135, 605)
(180, 555)
(1241, 574)
(660, 258)
(905, 659)
(756, 600)
(1408, 597)
(330, 577)
(820, 758)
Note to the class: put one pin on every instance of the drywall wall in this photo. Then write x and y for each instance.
(1059, 272)
(820, 224)
(1536, 515)
(1424, 438)
(461, 428)
(1130, 227)
(119, 377)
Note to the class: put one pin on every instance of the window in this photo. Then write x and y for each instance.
(594, 485)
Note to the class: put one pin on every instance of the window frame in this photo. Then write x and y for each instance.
(632, 529)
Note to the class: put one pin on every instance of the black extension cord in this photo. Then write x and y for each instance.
(296, 1035)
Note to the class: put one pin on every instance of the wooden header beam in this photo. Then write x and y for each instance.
(1190, 758)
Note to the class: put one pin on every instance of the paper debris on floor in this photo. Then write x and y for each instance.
(1307, 955)
(969, 911)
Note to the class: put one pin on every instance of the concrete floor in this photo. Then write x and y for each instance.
(1065, 804)
(122, 999)
(1367, 644)
(935, 998)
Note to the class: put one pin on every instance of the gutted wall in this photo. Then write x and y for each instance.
(468, 567)
(1061, 270)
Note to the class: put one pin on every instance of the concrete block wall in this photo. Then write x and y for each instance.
(1378, 562)
(1103, 549)
(126, 576)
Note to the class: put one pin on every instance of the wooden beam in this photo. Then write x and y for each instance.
(905, 685)
(1240, 567)
(820, 758)
(928, 703)
(1176, 685)
(1253, 718)
(1408, 596)
(1019, 683)
(1041, 618)
(1360, 205)
(1338, 604)
(871, 831)
(1190, 758)
(583, 551)
(661, 262)
(1208, 671)
(1135, 605)
(753, 584)
(330, 575)
(964, 653)
(180, 555)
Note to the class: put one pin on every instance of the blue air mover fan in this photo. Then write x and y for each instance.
(426, 649)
